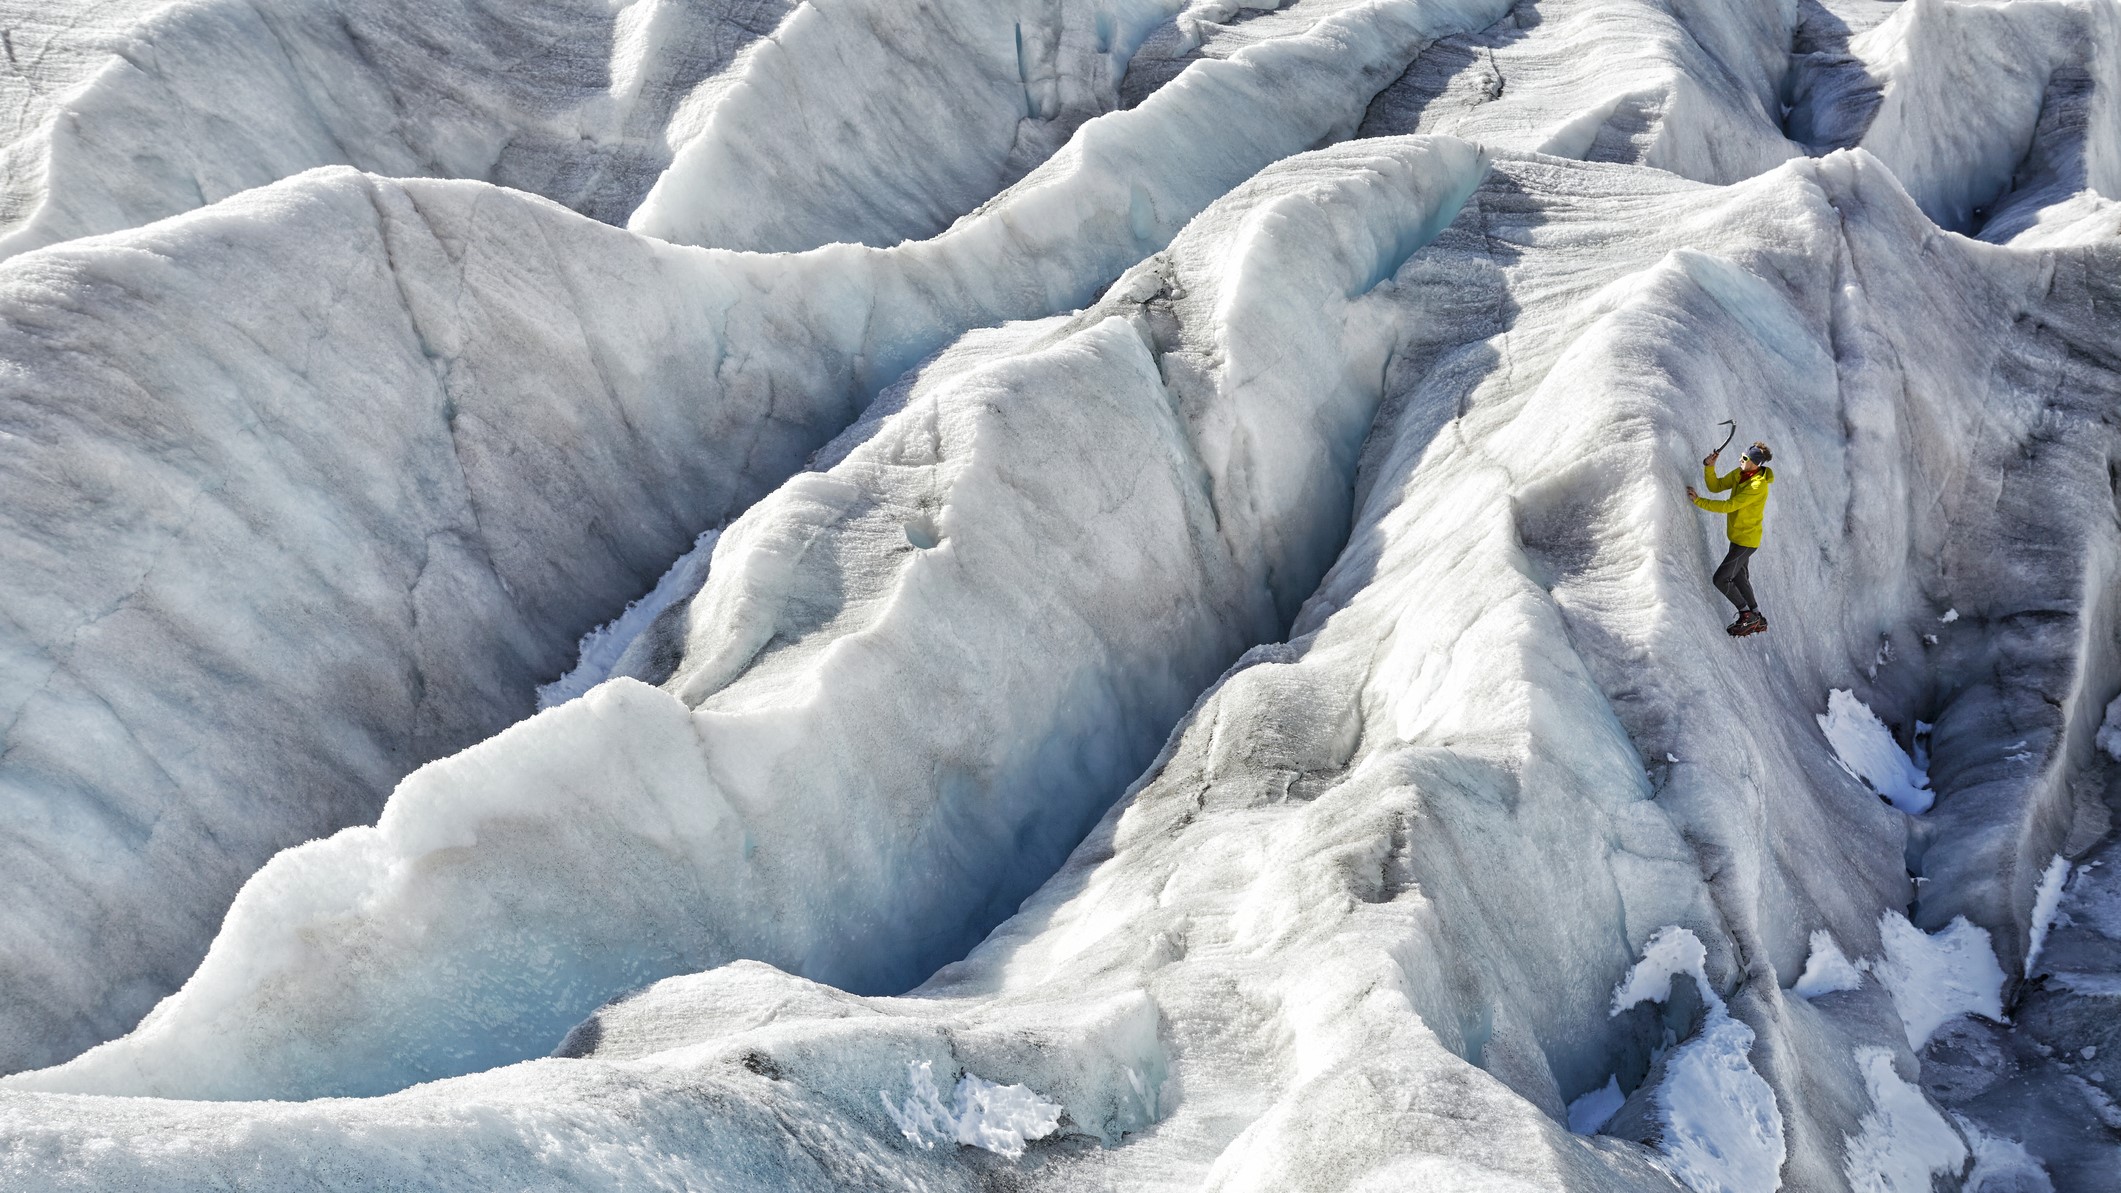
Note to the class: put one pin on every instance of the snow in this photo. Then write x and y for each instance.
(601, 650)
(1937, 977)
(2109, 735)
(1902, 1141)
(2046, 904)
(1827, 970)
(1866, 749)
(2002, 1165)
(999, 1118)
(1202, 581)
(1592, 1111)
(1722, 1127)
(1672, 952)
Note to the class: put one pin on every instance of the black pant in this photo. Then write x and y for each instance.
(1732, 579)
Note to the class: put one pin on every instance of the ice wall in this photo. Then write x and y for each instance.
(484, 399)
(1901, 87)
(1333, 799)
(1689, 88)
(943, 532)
(1414, 412)
(911, 115)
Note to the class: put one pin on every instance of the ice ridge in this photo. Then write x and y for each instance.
(1181, 659)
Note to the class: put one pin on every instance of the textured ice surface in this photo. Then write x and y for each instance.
(1206, 657)
(1903, 1141)
(501, 449)
(603, 649)
(2109, 738)
(912, 114)
(2002, 1165)
(999, 1118)
(1827, 970)
(2046, 905)
(1592, 1111)
(1935, 978)
(1866, 747)
(1721, 1129)
(896, 567)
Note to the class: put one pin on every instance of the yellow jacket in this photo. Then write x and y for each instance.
(1746, 507)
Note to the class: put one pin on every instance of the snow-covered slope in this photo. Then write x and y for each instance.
(1268, 728)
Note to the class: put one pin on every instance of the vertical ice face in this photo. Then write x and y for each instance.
(1899, 88)
(2028, 60)
(352, 464)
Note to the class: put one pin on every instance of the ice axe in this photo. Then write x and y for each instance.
(1733, 425)
(1727, 438)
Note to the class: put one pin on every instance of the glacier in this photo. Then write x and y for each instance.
(1083, 594)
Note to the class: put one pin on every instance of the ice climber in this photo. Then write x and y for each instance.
(1744, 511)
